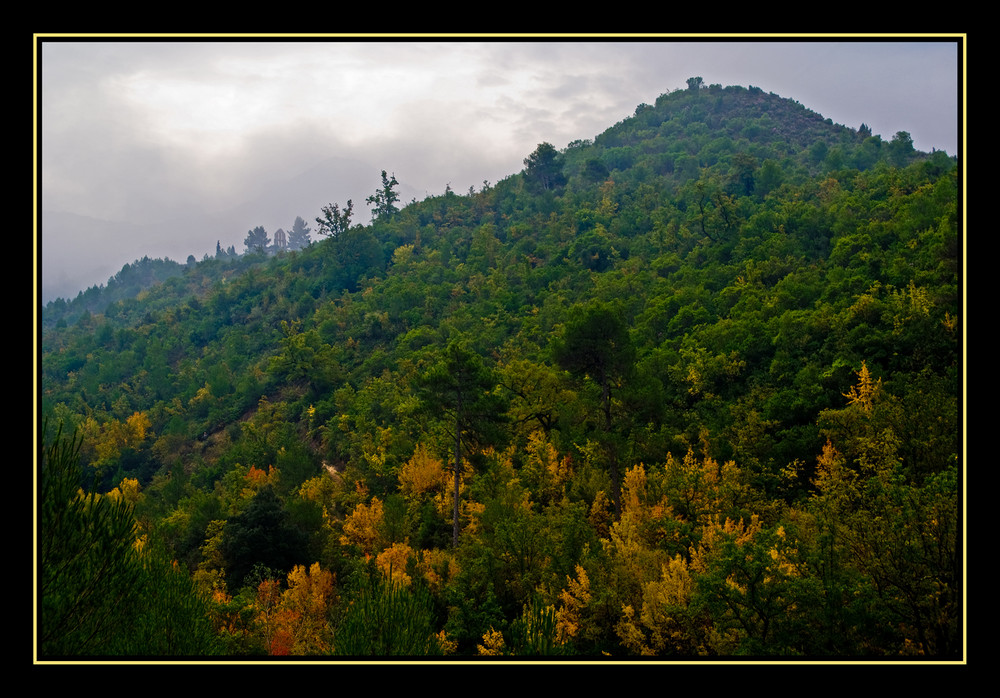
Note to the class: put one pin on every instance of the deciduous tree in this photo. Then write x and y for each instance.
(462, 389)
(335, 222)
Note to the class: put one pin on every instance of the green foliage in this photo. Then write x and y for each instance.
(87, 563)
(335, 222)
(257, 239)
(533, 633)
(262, 535)
(386, 620)
(755, 592)
(299, 236)
(707, 277)
(543, 168)
(383, 201)
(91, 569)
(459, 387)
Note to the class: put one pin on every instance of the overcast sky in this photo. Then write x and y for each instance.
(162, 148)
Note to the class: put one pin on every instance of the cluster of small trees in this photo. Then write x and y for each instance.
(332, 224)
(297, 238)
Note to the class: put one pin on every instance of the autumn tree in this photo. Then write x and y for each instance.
(301, 625)
(460, 388)
(363, 527)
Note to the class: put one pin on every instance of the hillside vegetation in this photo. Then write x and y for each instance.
(689, 389)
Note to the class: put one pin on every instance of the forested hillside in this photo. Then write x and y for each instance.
(689, 389)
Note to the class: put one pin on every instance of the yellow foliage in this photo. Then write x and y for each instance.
(437, 567)
(309, 591)
(212, 584)
(608, 206)
(363, 527)
(320, 490)
(392, 561)
(715, 532)
(138, 425)
(913, 301)
(140, 543)
(444, 498)
(421, 474)
(675, 588)
(128, 491)
(832, 476)
(634, 490)
(864, 393)
(447, 646)
(493, 645)
(204, 394)
(110, 438)
(599, 515)
(699, 488)
(402, 254)
(294, 621)
(783, 556)
(470, 512)
(543, 469)
(630, 634)
(573, 600)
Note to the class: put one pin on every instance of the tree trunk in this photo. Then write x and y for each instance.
(458, 470)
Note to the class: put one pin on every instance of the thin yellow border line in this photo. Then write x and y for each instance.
(963, 146)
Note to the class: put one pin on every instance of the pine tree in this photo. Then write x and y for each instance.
(383, 201)
(298, 236)
(461, 388)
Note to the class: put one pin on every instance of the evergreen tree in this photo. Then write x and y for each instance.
(543, 168)
(383, 202)
(298, 236)
(100, 593)
(262, 534)
(257, 240)
(461, 388)
(595, 345)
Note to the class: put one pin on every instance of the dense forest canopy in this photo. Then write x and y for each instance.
(688, 389)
